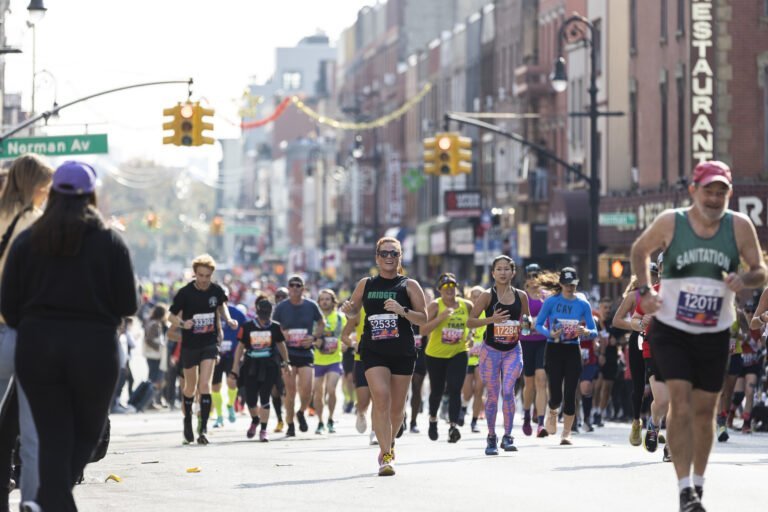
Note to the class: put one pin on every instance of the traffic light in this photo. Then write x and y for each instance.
(152, 220)
(430, 156)
(447, 154)
(613, 268)
(200, 124)
(217, 226)
(464, 155)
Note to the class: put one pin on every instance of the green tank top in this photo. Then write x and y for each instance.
(450, 336)
(694, 296)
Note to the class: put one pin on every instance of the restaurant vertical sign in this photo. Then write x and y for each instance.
(703, 80)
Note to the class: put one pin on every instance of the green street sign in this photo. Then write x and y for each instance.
(243, 229)
(618, 219)
(56, 145)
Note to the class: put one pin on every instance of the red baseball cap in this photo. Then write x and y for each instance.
(710, 171)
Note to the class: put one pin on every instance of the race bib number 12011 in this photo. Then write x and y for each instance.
(699, 305)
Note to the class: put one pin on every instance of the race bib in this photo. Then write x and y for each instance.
(749, 359)
(585, 354)
(384, 326)
(330, 345)
(226, 346)
(570, 329)
(699, 305)
(261, 340)
(204, 323)
(506, 332)
(451, 336)
(296, 337)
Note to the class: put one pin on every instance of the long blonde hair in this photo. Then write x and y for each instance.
(27, 174)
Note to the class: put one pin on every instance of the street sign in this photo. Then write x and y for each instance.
(244, 229)
(56, 145)
(618, 219)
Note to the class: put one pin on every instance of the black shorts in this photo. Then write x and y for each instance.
(348, 361)
(398, 365)
(700, 359)
(533, 356)
(224, 367)
(471, 369)
(360, 380)
(421, 363)
(301, 362)
(191, 357)
(735, 365)
(651, 371)
(756, 368)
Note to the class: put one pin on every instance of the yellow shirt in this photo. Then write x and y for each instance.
(449, 338)
(330, 351)
(359, 332)
(477, 338)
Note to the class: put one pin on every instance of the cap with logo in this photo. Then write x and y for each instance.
(568, 276)
(74, 178)
(711, 171)
(445, 279)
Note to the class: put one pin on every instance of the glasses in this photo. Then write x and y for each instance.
(448, 285)
(295, 285)
(389, 254)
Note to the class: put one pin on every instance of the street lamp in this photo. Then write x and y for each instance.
(36, 12)
(573, 29)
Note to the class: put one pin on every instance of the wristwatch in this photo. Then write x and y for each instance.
(405, 310)
(284, 364)
(642, 290)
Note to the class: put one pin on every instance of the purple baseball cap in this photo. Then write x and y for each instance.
(74, 178)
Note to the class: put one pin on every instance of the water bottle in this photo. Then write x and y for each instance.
(525, 325)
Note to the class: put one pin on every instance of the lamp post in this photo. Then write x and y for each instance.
(572, 29)
(36, 11)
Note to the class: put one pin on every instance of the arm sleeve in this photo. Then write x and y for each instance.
(124, 283)
(178, 302)
(10, 294)
(542, 317)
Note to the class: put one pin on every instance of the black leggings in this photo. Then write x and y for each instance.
(450, 374)
(69, 380)
(637, 369)
(563, 365)
(259, 379)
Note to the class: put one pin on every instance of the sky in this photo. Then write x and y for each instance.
(88, 46)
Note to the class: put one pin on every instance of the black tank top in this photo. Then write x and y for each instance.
(384, 332)
(506, 338)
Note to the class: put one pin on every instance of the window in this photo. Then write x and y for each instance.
(664, 135)
(663, 18)
(633, 26)
(598, 42)
(681, 123)
(681, 16)
(291, 80)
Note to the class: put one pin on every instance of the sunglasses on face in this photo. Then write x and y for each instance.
(389, 254)
(448, 285)
(295, 285)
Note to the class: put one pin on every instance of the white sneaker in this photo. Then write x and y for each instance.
(361, 424)
(374, 441)
(30, 506)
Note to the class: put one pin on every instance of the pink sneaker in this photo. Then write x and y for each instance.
(251, 431)
(527, 430)
(263, 436)
(541, 431)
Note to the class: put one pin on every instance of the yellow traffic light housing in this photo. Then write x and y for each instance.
(217, 226)
(173, 125)
(200, 124)
(188, 122)
(430, 156)
(464, 155)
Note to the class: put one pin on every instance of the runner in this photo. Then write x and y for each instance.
(534, 345)
(393, 303)
(256, 366)
(753, 356)
(328, 359)
(196, 309)
(303, 324)
(350, 335)
(730, 396)
(473, 383)
(589, 370)
(501, 358)
(227, 351)
(607, 359)
(703, 245)
(420, 369)
(565, 315)
(446, 352)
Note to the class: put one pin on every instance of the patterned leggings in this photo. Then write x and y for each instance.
(499, 372)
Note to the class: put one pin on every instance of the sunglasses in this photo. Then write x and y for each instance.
(295, 285)
(389, 254)
(448, 285)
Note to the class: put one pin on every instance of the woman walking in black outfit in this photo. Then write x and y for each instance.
(67, 283)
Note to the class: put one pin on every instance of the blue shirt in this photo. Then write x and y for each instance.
(569, 314)
(230, 335)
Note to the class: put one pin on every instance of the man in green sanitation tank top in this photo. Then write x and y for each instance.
(693, 311)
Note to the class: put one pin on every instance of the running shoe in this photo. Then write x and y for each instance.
(508, 444)
(565, 439)
(348, 407)
(386, 465)
(474, 427)
(401, 430)
(541, 431)
(527, 430)
(635, 435)
(251, 431)
(372, 439)
(231, 413)
(699, 490)
(599, 420)
(361, 424)
(575, 427)
(689, 501)
(302, 421)
(662, 439)
(331, 426)
(414, 429)
(432, 432)
(189, 435)
(279, 427)
(462, 415)
(588, 427)
(722, 434)
(491, 448)
(202, 439)
(320, 428)
(219, 422)
(651, 440)
(746, 428)
(263, 436)
(667, 456)
(453, 434)
(291, 432)
(551, 422)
